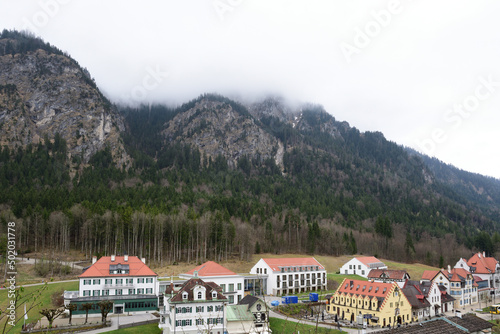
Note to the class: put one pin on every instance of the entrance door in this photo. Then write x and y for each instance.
(118, 310)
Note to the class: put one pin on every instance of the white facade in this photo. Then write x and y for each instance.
(231, 283)
(117, 286)
(291, 277)
(192, 310)
(357, 267)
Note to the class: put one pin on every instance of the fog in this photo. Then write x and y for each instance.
(424, 73)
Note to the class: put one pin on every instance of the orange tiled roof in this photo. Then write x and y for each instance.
(101, 267)
(367, 260)
(277, 263)
(483, 265)
(429, 274)
(211, 268)
(363, 288)
(387, 273)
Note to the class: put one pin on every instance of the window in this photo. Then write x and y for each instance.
(223, 287)
(96, 293)
(149, 291)
(119, 281)
(108, 281)
(239, 286)
(131, 291)
(86, 293)
(149, 280)
(105, 292)
(119, 292)
(199, 322)
(140, 280)
(231, 287)
(184, 295)
(87, 282)
(130, 281)
(214, 294)
(210, 308)
(265, 270)
(140, 291)
(96, 281)
(231, 299)
(199, 309)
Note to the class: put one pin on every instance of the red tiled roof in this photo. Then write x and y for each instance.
(387, 273)
(101, 267)
(429, 274)
(483, 265)
(377, 289)
(367, 260)
(277, 263)
(210, 269)
(455, 278)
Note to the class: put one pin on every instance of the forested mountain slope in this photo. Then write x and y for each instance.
(217, 178)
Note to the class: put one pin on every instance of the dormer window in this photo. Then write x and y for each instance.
(184, 295)
(200, 295)
(214, 294)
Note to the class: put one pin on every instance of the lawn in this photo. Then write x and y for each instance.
(150, 329)
(45, 299)
(280, 326)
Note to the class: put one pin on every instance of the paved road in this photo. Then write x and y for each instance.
(72, 264)
(49, 282)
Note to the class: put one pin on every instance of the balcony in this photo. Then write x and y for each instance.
(119, 286)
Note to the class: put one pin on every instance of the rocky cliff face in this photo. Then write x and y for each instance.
(218, 128)
(43, 93)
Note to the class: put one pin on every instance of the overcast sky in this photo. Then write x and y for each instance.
(425, 73)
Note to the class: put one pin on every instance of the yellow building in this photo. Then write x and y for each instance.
(380, 304)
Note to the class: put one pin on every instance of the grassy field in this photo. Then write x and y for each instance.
(280, 326)
(45, 298)
(150, 329)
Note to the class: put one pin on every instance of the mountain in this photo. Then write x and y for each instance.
(44, 92)
(216, 177)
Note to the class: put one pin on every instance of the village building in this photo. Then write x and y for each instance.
(389, 276)
(239, 320)
(459, 284)
(380, 304)
(487, 270)
(260, 313)
(362, 266)
(196, 307)
(425, 298)
(467, 324)
(125, 280)
(232, 284)
(282, 276)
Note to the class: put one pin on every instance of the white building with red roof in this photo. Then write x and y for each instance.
(282, 276)
(118, 275)
(231, 283)
(125, 280)
(361, 266)
(487, 269)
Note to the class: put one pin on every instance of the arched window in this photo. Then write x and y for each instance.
(200, 295)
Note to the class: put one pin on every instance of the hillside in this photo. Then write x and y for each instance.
(216, 178)
(44, 92)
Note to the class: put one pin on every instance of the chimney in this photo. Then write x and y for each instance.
(112, 258)
(94, 259)
(484, 254)
(449, 269)
(125, 257)
(143, 259)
